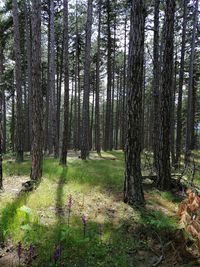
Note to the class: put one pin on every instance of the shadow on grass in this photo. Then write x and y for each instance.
(60, 212)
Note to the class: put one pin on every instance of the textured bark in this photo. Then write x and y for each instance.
(133, 192)
(4, 119)
(37, 97)
(156, 83)
(123, 112)
(180, 86)
(107, 137)
(52, 98)
(65, 141)
(97, 115)
(172, 134)
(18, 77)
(190, 104)
(86, 89)
(1, 117)
(28, 56)
(164, 167)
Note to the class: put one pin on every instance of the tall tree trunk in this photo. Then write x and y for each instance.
(97, 115)
(52, 104)
(37, 100)
(86, 89)
(28, 56)
(107, 140)
(12, 126)
(1, 106)
(164, 167)
(133, 192)
(65, 141)
(156, 82)
(172, 135)
(190, 104)
(123, 112)
(180, 86)
(18, 77)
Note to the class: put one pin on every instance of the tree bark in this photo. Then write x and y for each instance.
(156, 83)
(180, 86)
(190, 103)
(133, 192)
(86, 89)
(97, 115)
(18, 77)
(164, 167)
(37, 96)
(65, 141)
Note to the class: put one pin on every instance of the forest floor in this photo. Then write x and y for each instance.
(98, 229)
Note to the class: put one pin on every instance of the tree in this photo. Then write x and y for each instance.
(97, 115)
(63, 158)
(1, 105)
(52, 99)
(190, 104)
(180, 86)
(18, 77)
(164, 167)
(37, 97)
(86, 88)
(108, 134)
(156, 82)
(133, 192)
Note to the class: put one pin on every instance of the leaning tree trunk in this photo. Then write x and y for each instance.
(133, 192)
(164, 166)
(18, 77)
(190, 104)
(63, 158)
(37, 97)
(86, 89)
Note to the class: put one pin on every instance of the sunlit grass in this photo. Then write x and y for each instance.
(41, 216)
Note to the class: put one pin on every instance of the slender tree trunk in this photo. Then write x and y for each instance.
(65, 141)
(97, 115)
(172, 136)
(123, 115)
(18, 77)
(190, 104)
(107, 140)
(180, 86)
(86, 90)
(12, 126)
(37, 97)
(133, 192)
(156, 83)
(164, 167)
(28, 56)
(1, 106)
(52, 104)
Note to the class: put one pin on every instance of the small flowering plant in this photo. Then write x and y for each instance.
(57, 254)
(19, 251)
(31, 252)
(84, 222)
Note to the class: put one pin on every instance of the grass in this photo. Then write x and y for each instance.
(41, 217)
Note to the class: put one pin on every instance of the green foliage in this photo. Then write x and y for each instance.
(159, 221)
